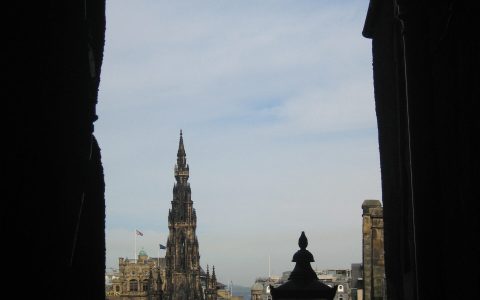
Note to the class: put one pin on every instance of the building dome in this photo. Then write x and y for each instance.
(257, 286)
(142, 253)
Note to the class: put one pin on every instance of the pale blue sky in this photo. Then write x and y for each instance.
(275, 99)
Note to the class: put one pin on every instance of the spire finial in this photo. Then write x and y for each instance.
(303, 241)
(181, 168)
(303, 270)
(208, 275)
(181, 147)
(214, 277)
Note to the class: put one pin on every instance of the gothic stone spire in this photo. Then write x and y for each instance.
(182, 258)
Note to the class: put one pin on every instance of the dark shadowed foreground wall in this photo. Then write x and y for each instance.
(53, 211)
(426, 62)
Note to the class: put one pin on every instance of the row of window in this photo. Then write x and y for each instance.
(134, 286)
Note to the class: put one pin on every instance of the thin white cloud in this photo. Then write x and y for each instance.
(348, 107)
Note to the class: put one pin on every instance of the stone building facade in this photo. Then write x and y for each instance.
(140, 279)
(182, 256)
(372, 250)
(260, 290)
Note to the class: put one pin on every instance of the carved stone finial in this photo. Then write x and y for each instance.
(302, 241)
(303, 258)
(303, 282)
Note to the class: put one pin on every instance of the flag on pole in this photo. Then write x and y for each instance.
(162, 247)
(139, 233)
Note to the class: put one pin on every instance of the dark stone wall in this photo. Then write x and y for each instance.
(54, 212)
(373, 261)
(426, 57)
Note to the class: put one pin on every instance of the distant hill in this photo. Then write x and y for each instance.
(241, 291)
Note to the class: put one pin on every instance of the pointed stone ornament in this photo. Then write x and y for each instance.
(181, 168)
(181, 148)
(303, 282)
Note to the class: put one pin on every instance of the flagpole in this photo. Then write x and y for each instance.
(135, 254)
(269, 274)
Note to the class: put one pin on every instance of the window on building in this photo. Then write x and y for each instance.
(145, 285)
(133, 285)
(117, 288)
